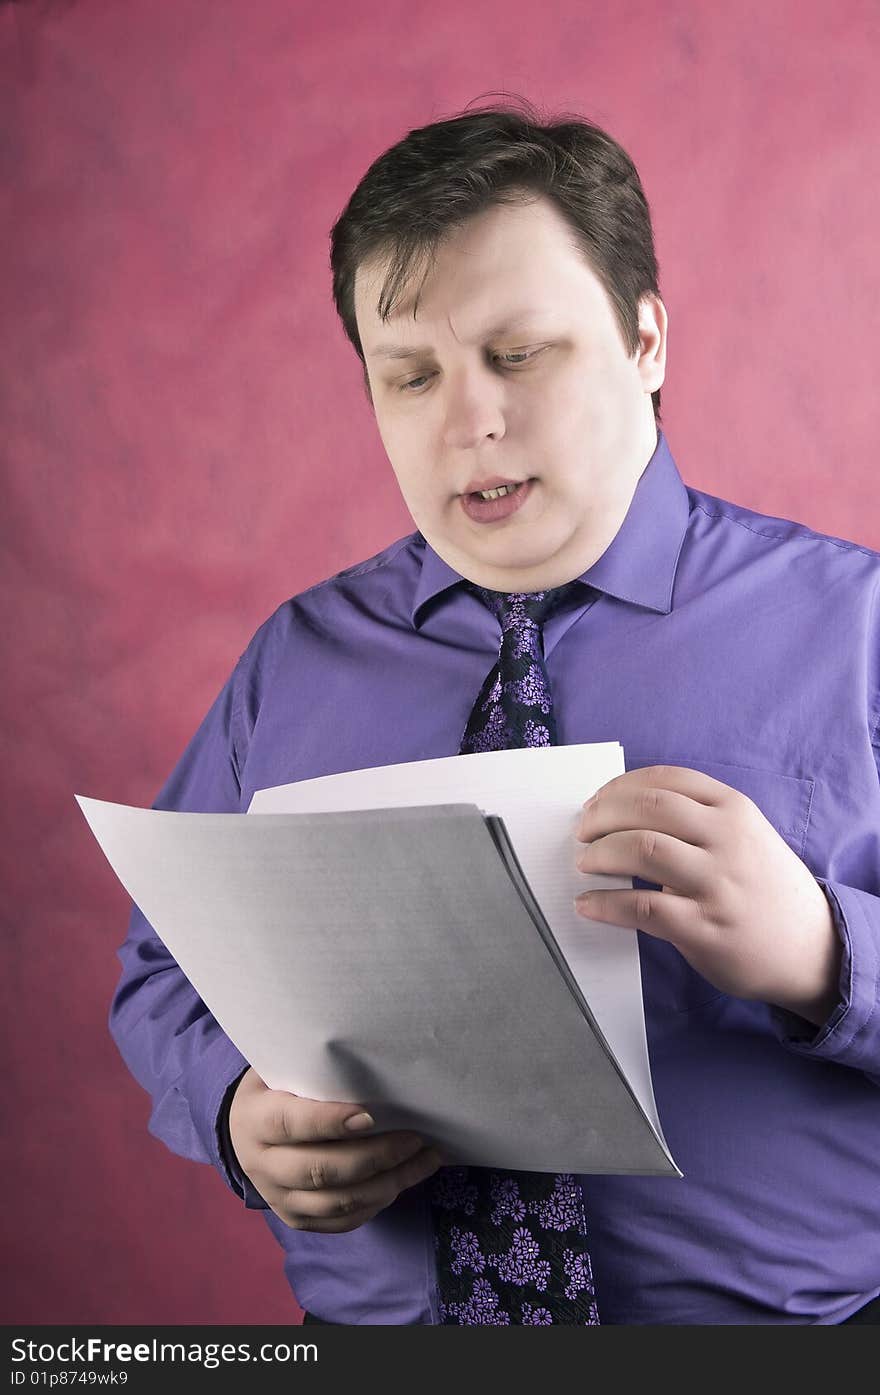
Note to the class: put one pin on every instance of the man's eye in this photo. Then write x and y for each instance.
(413, 382)
(521, 354)
(514, 358)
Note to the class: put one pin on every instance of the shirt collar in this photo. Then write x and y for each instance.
(639, 564)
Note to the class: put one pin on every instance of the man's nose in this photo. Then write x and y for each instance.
(474, 408)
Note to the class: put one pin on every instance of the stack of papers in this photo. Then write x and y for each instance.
(405, 938)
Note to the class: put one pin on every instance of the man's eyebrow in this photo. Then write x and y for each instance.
(403, 351)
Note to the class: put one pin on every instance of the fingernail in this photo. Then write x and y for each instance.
(357, 1122)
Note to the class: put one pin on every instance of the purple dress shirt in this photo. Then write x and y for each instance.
(706, 635)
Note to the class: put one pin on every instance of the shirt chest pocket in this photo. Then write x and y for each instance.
(669, 982)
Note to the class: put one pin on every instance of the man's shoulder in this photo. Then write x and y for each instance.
(392, 556)
(400, 560)
(775, 531)
(330, 597)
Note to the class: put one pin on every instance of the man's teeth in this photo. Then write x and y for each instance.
(498, 493)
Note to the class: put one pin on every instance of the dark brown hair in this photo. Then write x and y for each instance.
(440, 175)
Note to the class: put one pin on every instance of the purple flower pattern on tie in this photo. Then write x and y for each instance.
(513, 707)
(522, 1264)
(482, 1308)
(528, 1228)
(537, 1317)
(466, 1250)
(563, 1208)
(579, 1271)
(537, 734)
(493, 696)
(493, 733)
(506, 1200)
(528, 691)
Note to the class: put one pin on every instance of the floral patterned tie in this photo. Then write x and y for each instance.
(511, 1246)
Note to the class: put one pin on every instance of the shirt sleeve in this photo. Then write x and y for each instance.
(851, 1035)
(169, 1040)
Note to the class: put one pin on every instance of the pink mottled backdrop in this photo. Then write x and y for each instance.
(185, 443)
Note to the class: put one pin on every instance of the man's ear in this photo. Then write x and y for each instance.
(653, 323)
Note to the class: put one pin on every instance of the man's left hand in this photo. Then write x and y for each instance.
(737, 902)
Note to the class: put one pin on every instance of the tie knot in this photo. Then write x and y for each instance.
(519, 610)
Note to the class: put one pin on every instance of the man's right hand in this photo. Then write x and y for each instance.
(313, 1171)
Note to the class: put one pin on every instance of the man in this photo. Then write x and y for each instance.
(497, 277)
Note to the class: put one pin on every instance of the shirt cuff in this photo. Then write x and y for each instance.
(851, 1035)
(240, 1181)
(210, 1096)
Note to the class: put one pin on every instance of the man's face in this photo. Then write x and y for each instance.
(513, 371)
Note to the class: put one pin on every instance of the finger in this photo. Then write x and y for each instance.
(345, 1208)
(341, 1164)
(617, 807)
(655, 857)
(680, 778)
(658, 913)
(288, 1118)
